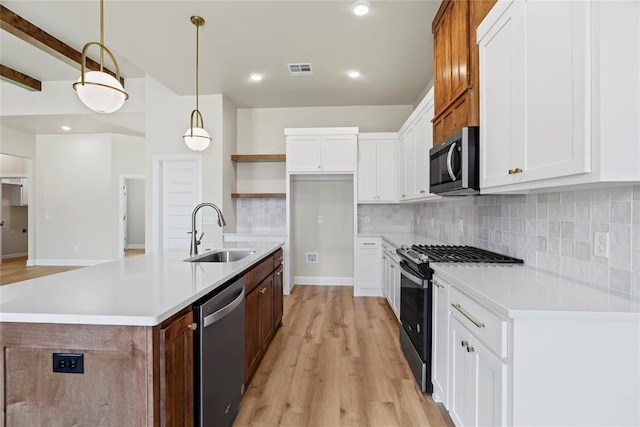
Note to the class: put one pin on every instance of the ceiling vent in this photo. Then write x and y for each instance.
(300, 69)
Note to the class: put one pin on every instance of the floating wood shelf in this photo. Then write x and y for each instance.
(258, 195)
(258, 157)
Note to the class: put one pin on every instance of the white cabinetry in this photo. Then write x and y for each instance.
(18, 191)
(440, 340)
(416, 139)
(553, 106)
(368, 269)
(377, 167)
(391, 276)
(309, 150)
(478, 377)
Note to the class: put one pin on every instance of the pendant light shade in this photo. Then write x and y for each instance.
(196, 137)
(99, 90)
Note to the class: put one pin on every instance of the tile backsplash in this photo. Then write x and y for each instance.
(261, 216)
(553, 231)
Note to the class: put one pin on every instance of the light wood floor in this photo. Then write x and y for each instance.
(336, 362)
(15, 269)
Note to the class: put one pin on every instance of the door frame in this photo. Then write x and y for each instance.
(154, 243)
(121, 203)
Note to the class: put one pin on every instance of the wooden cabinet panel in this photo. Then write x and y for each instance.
(456, 65)
(266, 312)
(252, 332)
(278, 296)
(176, 371)
(257, 274)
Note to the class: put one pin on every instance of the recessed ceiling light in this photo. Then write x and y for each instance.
(65, 128)
(354, 74)
(361, 7)
(255, 77)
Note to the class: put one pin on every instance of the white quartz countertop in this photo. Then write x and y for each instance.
(139, 291)
(520, 291)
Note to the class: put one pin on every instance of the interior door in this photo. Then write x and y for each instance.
(123, 216)
(180, 193)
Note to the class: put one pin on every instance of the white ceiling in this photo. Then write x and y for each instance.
(391, 46)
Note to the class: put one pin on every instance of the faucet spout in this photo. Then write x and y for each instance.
(194, 239)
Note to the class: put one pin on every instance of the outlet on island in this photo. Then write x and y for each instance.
(68, 363)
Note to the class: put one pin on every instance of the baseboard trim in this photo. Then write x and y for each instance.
(67, 262)
(18, 255)
(135, 246)
(322, 281)
(367, 292)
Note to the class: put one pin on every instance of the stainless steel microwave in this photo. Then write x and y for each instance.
(454, 164)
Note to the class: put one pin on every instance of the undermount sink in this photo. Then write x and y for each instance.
(222, 255)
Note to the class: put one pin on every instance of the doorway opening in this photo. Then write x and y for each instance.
(131, 216)
(15, 217)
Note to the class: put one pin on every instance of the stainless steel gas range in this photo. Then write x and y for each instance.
(416, 298)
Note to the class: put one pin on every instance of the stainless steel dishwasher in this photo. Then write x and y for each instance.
(219, 355)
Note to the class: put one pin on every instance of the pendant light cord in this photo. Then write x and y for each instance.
(101, 35)
(197, 62)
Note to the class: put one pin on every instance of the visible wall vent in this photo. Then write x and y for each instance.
(312, 257)
(300, 69)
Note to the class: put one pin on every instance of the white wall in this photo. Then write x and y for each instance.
(333, 239)
(230, 121)
(261, 130)
(166, 119)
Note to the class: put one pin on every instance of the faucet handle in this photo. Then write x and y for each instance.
(200, 239)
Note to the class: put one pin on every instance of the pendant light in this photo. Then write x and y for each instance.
(196, 137)
(98, 90)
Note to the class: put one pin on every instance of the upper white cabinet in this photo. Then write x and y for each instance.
(555, 85)
(377, 167)
(415, 141)
(321, 149)
(18, 191)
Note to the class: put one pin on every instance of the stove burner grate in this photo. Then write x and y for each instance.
(446, 253)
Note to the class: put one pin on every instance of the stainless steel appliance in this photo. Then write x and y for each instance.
(416, 299)
(219, 355)
(454, 164)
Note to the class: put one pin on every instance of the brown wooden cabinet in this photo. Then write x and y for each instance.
(455, 65)
(263, 309)
(175, 394)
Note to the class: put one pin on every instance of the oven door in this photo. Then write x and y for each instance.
(415, 309)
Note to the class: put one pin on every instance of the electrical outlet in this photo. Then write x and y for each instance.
(319, 219)
(250, 219)
(68, 363)
(601, 244)
(433, 222)
(367, 219)
(208, 220)
(461, 225)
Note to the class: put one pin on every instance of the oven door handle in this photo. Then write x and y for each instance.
(415, 279)
(449, 164)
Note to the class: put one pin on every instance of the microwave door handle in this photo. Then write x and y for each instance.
(449, 159)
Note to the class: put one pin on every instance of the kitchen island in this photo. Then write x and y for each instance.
(132, 322)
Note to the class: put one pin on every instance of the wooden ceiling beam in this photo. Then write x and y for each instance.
(35, 36)
(20, 79)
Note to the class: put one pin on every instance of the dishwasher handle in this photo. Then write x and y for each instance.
(219, 314)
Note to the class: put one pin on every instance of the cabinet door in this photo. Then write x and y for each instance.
(491, 374)
(277, 295)
(401, 169)
(304, 153)
(409, 164)
(422, 140)
(556, 89)
(339, 153)
(386, 171)
(367, 171)
(440, 341)
(368, 258)
(266, 311)
(395, 287)
(176, 372)
(462, 377)
(252, 330)
(502, 101)
(385, 277)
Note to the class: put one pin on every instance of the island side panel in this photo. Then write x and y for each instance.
(113, 390)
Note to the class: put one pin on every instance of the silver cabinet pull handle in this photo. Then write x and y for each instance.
(464, 343)
(438, 284)
(470, 349)
(468, 316)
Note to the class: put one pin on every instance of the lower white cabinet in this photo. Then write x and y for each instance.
(368, 267)
(440, 341)
(478, 381)
(391, 277)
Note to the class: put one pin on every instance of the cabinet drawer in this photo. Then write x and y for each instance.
(488, 327)
(257, 274)
(278, 257)
(367, 242)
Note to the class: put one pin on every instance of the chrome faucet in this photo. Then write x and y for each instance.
(194, 239)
